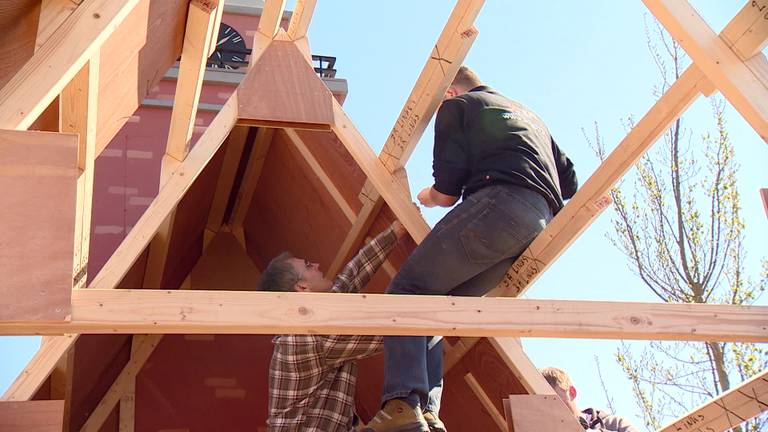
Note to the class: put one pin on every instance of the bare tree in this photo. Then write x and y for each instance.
(682, 233)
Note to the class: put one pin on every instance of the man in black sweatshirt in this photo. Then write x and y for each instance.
(513, 177)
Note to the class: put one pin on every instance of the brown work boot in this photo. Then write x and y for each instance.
(434, 423)
(397, 416)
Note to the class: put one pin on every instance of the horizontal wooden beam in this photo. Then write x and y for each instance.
(173, 311)
(728, 410)
(744, 87)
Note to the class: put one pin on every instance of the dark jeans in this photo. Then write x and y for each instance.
(466, 254)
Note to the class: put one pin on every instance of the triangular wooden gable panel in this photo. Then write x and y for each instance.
(38, 177)
(282, 90)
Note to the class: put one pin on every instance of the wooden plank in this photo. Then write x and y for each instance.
(361, 224)
(173, 311)
(19, 21)
(201, 21)
(741, 85)
(480, 394)
(300, 19)
(53, 13)
(61, 382)
(448, 54)
(158, 253)
(234, 152)
(390, 189)
(44, 76)
(39, 368)
(444, 61)
(590, 200)
(38, 174)
(282, 88)
(32, 416)
(728, 410)
(139, 356)
(533, 413)
(78, 115)
(747, 33)
(181, 180)
(320, 173)
(271, 16)
(521, 366)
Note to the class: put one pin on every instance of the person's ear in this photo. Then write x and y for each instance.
(572, 392)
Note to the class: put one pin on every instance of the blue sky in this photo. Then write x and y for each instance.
(574, 63)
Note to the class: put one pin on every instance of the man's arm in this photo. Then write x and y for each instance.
(568, 181)
(344, 348)
(614, 423)
(359, 271)
(450, 166)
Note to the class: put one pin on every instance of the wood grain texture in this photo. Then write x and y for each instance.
(171, 311)
(38, 176)
(534, 413)
(283, 87)
(32, 416)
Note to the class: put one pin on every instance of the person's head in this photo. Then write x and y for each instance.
(466, 79)
(288, 273)
(561, 382)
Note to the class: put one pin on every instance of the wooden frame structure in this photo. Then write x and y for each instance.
(230, 171)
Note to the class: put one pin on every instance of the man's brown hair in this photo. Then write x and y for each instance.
(466, 78)
(279, 275)
(557, 378)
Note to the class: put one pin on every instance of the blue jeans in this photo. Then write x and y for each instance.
(466, 254)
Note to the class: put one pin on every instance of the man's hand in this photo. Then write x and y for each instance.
(425, 197)
(429, 197)
(399, 229)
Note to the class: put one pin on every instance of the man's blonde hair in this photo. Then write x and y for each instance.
(466, 78)
(557, 378)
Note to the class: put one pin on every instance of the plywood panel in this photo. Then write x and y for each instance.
(32, 416)
(38, 177)
(225, 266)
(98, 361)
(337, 163)
(224, 375)
(291, 210)
(191, 217)
(533, 413)
(282, 88)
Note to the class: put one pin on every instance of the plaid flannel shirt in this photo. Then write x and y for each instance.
(312, 377)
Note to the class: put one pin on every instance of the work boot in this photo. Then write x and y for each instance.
(434, 423)
(397, 416)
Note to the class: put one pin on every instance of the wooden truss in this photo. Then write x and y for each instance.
(78, 86)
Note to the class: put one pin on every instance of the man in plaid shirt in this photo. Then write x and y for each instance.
(312, 377)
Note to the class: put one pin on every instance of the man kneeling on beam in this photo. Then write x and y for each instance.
(312, 377)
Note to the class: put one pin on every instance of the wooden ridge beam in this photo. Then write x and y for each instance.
(728, 410)
(254, 312)
(145, 347)
(743, 86)
(269, 23)
(46, 74)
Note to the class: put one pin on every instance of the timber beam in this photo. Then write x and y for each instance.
(727, 410)
(244, 312)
